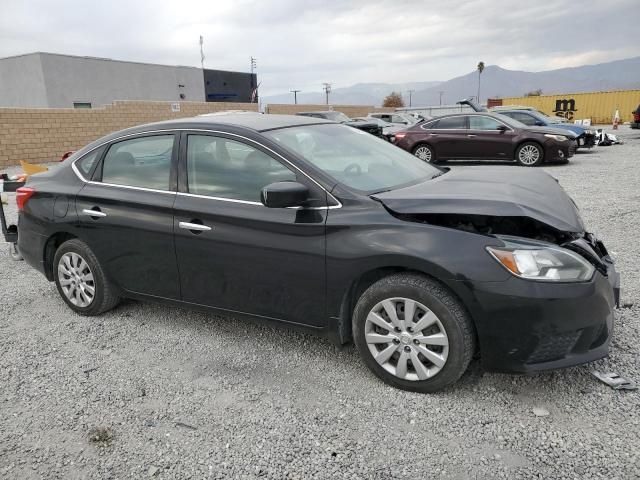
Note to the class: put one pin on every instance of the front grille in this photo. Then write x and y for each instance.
(554, 347)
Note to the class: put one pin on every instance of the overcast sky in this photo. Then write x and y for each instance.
(302, 43)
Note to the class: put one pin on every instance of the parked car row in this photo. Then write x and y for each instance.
(485, 136)
(585, 137)
(520, 134)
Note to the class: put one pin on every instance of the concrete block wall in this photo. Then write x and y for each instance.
(39, 135)
(349, 110)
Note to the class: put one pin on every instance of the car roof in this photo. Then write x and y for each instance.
(468, 114)
(232, 122)
(257, 122)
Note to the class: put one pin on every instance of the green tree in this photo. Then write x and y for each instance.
(480, 70)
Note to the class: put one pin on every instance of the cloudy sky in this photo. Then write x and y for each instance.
(302, 43)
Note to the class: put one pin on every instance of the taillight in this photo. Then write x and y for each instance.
(400, 135)
(23, 194)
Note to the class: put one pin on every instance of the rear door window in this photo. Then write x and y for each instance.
(452, 123)
(140, 162)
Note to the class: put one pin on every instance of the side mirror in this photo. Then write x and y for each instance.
(539, 123)
(284, 194)
(502, 128)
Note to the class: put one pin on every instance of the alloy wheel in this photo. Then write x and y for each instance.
(406, 339)
(423, 153)
(76, 279)
(529, 154)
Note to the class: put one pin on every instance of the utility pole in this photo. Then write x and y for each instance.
(295, 96)
(410, 94)
(441, 93)
(254, 88)
(327, 90)
(202, 52)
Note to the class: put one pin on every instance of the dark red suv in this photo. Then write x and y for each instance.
(485, 136)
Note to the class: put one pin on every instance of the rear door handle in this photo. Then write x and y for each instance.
(94, 212)
(194, 227)
(470, 135)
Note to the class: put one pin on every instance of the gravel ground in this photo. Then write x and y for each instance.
(180, 394)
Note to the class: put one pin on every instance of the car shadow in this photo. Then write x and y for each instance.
(307, 348)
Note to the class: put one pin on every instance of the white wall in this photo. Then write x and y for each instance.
(22, 82)
(51, 80)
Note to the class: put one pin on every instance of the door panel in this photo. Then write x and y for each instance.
(246, 257)
(485, 141)
(127, 220)
(255, 260)
(133, 241)
(449, 136)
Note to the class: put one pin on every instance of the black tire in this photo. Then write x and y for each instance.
(425, 152)
(529, 147)
(450, 313)
(104, 297)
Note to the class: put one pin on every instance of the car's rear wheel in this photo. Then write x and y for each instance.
(529, 154)
(81, 281)
(425, 153)
(413, 333)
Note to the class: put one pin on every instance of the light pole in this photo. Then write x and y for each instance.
(441, 93)
(254, 88)
(202, 51)
(327, 90)
(410, 94)
(295, 96)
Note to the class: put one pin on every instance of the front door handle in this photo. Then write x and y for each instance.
(94, 212)
(194, 227)
(470, 135)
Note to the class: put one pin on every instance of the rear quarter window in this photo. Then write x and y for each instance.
(87, 163)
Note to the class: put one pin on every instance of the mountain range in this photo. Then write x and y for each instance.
(495, 82)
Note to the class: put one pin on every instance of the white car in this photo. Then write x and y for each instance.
(395, 118)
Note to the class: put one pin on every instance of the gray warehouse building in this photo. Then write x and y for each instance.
(65, 81)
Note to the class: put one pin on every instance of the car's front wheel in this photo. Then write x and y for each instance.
(529, 154)
(81, 281)
(413, 333)
(425, 153)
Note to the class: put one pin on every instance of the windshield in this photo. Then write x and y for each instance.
(409, 118)
(336, 117)
(549, 119)
(354, 158)
(377, 121)
(512, 122)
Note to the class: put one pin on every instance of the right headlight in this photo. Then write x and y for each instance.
(543, 263)
(559, 138)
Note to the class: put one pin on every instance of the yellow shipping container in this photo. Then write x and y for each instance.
(600, 107)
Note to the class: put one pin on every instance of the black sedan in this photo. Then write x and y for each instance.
(318, 225)
(485, 136)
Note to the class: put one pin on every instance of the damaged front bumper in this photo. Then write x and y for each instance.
(526, 326)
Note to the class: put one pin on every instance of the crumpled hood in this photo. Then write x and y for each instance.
(495, 191)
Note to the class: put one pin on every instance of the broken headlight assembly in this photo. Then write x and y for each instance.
(542, 262)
